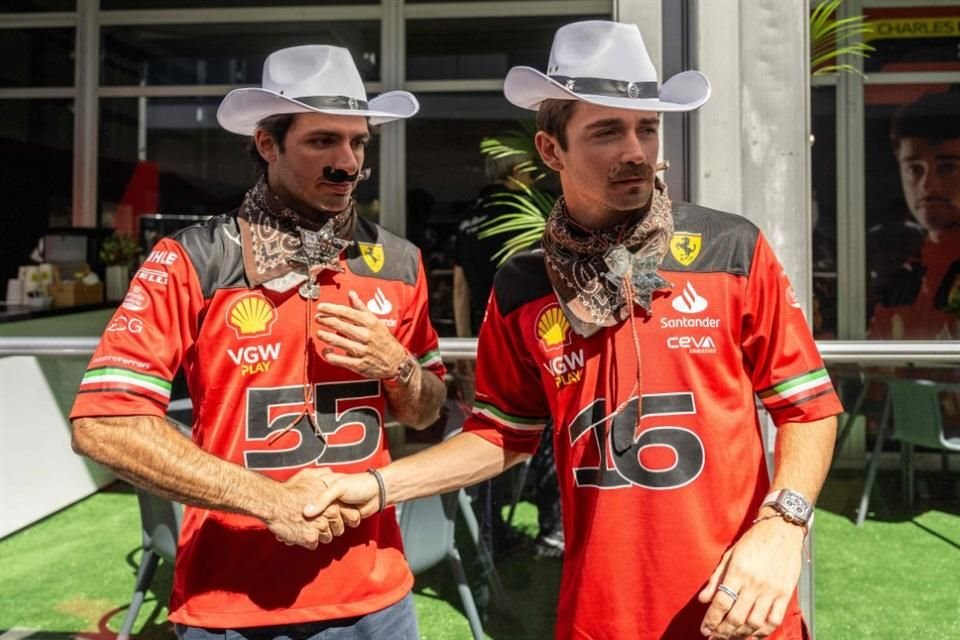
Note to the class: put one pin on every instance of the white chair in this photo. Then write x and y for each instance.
(914, 406)
(160, 521)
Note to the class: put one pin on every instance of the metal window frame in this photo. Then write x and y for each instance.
(905, 4)
(89, 19)
(507, 8)
(39, 93)
(51, 20)
(232, 15)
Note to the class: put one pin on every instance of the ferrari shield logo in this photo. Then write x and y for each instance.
(372, 255)
(685, 247)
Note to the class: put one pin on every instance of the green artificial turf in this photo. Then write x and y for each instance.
(71, 574)
(897, 576)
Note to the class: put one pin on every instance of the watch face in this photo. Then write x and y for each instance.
(406, 370)
(794, 504)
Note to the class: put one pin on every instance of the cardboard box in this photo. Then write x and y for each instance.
(73, 292)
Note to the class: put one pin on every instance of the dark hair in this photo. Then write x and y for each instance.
(276, 127)
(935, 117)
(499, 168)
(553, 116)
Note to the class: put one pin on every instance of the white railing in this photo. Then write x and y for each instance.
(867, 352)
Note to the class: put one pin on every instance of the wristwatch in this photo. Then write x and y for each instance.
(404, 372)
(791, 506)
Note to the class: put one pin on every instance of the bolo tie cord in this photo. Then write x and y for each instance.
(308, 409)
(635, 335)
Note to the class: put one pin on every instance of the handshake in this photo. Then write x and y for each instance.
(316, 505)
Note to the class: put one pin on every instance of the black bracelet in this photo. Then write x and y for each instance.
(382, 488)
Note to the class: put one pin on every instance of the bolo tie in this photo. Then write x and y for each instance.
(638, 279)
(319, 250)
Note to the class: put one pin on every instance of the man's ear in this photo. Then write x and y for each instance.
(549, 149)
(266, 146)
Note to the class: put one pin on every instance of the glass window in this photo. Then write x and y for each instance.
(189, 166)
(223, 53)
(445, 173)
(824, 164)
(912, 184)
(914, 39)
(480, 48)
(24, 6)
(210, 4)
(36, 138)
(44, 57)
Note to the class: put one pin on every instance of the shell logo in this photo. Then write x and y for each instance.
(553, 329)
(251, 316)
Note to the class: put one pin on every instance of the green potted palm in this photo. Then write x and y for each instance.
(832, 37)
(529, 204)
(118, 252)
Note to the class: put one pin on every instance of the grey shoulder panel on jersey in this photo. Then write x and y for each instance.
(377, 253)
(707, 240)
(522, 279)
(215, 250)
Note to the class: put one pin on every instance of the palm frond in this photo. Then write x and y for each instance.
(832, 38)
(528, 207)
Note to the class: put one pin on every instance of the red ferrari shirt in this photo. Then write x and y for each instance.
(252, 370)
(934, 313)
(649, 512)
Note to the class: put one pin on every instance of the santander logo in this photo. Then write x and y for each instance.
(379, 304)
(689, 301)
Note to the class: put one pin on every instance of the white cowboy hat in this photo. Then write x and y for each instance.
(604, 63)
(312, 78)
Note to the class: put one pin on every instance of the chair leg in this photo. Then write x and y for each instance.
(910, 485)
(466, 596)
(874, 463)
(486, 560)
(148, 565)
(849, 419)
(517, 491)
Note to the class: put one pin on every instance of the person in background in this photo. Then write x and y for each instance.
(298, 324)
(646, 329)
(921, 301)
(475, 266)
(474, 263)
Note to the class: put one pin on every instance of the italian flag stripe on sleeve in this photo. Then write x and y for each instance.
(430, 358)
(518, 423)
(107, 379)
(797, 389)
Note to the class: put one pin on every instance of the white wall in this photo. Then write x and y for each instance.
(39, 472)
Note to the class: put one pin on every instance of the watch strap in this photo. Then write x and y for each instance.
(404, 372)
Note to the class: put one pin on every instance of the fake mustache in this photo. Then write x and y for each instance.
(631, 171)
(339, 175)
(642, 171)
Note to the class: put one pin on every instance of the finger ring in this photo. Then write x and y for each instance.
(727, 590)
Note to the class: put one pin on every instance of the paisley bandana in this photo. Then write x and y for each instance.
(595, 272)
(283, 248)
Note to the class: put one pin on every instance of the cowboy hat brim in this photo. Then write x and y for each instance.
(527, 88)
(242, 109)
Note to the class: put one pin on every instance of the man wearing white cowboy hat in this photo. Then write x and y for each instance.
(645, 329)
(298, 326)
